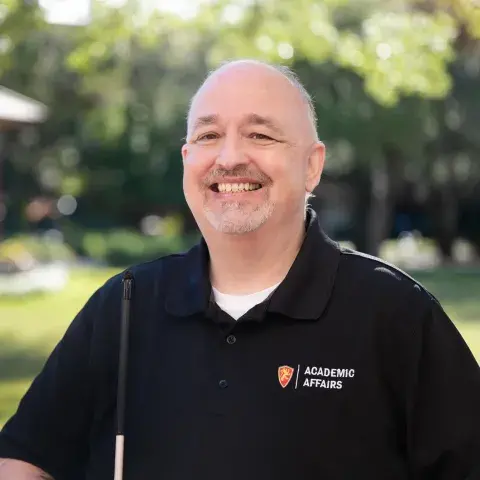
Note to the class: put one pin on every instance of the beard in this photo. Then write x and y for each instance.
(238, 217)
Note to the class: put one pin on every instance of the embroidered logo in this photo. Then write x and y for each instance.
(315, 376)
(285, 374)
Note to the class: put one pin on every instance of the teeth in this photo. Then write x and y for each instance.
(238, 187)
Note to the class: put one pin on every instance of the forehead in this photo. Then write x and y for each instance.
(236, 93)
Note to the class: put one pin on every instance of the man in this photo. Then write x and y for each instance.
(265, 352)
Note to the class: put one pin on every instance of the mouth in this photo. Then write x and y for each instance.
(235, 187)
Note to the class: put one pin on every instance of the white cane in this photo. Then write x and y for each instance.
(122, 376)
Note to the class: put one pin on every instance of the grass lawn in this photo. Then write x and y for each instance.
(31, 326)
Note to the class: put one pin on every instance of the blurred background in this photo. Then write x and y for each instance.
(93, 98)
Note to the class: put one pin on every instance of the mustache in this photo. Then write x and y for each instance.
(237, 171)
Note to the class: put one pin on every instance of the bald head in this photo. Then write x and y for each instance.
(250, 71)
(252, 151)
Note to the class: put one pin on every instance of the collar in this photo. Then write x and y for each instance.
(303, 294)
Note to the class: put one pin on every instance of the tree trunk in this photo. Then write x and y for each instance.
(447, 216)
(3, 207)
(378, 217)
(385, 183)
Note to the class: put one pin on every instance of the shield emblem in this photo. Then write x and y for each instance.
(285, 374)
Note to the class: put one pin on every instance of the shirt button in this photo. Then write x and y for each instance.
(223, 384)
(231, 339)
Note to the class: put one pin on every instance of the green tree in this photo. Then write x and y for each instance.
(118, 90)
(401, 50)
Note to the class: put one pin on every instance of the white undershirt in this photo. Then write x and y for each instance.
(238, 305)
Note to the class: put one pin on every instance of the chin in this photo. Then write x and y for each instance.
(237, 229)
(239, 223)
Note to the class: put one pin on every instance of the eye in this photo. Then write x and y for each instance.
(206, 137)
(261, 136)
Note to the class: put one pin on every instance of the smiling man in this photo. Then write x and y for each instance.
(252, 157)
(266, 351)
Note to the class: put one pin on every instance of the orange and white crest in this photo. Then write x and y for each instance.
(285, 374)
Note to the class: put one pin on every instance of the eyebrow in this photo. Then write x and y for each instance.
(250, 119)
(204, 121)
(255, 119)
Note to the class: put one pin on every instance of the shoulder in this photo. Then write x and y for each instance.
(159, 274)
(381, 280)
(152, 278)
(159, 267)
(402, 311)
(103, 309)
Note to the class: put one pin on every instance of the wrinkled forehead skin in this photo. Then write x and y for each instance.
(245, 87)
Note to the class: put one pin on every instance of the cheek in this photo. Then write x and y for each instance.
(271, 162)
(191, 180)
(287, 173)
(195, 166)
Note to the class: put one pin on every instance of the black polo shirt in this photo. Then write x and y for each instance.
(350, 370)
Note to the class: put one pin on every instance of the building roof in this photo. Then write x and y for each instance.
(17, 109)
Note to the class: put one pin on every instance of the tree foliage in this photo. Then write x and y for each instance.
(399, 47)
(387, 76)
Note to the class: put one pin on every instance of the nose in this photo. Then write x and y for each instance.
(231, 153)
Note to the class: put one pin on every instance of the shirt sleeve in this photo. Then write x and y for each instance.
(443, 401)
(51, 426)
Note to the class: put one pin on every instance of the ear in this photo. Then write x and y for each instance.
(316, 161)
(185, 152)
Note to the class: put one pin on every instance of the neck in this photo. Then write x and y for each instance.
(243, 264)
